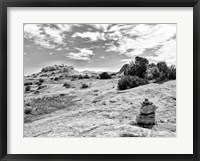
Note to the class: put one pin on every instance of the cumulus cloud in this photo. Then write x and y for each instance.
(82, 54)
(102, 57)
(48, 36)
(93, 36)
(157, 42)
(102, 27)
(135, 40)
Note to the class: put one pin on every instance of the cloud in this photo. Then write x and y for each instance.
(93, 36)
(159, 38)
(82, 54)
(127, 60)
(50, 53)
(102, 27)
(102, 57)
(48, 36)
(64, 27)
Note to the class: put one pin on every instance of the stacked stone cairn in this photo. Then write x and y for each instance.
(147, 113)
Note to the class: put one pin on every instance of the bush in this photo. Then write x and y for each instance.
(28, 88)
(56, 78)
(86, 76)
(127, 82)
(28, 83)
(162, 78)
(27, 111)
(66, 85)
(123, 83)
(41, 80)
(38, 83)
(84, 85)
(172, 73)
(80, 77)
(104, 75)
(162, 66)
(155, 73)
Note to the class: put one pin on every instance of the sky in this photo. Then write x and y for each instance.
(96, 47)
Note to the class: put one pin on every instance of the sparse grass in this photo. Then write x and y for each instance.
(47, 105)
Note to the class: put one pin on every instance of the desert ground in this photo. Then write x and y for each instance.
(100, 110)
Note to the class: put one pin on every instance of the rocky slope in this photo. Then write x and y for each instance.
(100, 110)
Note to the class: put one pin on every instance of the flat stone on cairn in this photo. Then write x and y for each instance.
(147, 113)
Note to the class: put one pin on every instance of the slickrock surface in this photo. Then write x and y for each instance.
(101, 110)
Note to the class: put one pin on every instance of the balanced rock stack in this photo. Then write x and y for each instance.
(147, 113)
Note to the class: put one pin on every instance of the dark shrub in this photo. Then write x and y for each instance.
(73, 79)
(27, 111)
(123, 83)
(172, 73)
(155, 72)
(127, 82)
(84, 85)
(44, 75)
(66, 85)
(162, 78)
(75, 76)
(86, 76)
(137, 68)
(80, 77)
(56, 78)
(104, 75)
(41, 80)
(162, 66)
(28, 83)
(38, 83)
(28, 88)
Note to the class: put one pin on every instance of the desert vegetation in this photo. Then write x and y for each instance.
(139, 72)
(104, 75)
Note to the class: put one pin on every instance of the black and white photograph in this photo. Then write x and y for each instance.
(99, 80)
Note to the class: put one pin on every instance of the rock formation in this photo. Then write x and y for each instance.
(147, 113)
